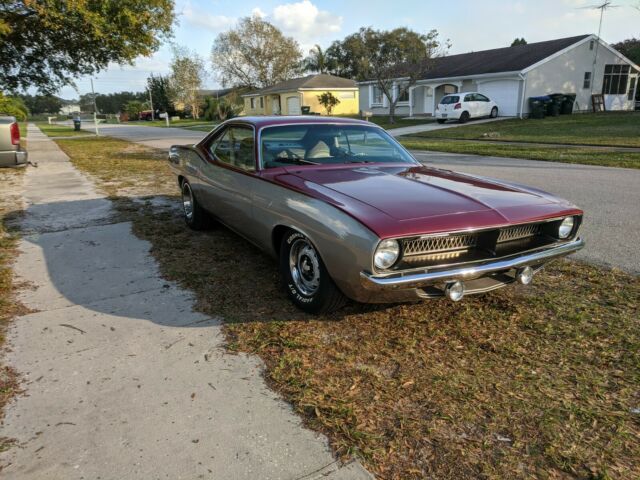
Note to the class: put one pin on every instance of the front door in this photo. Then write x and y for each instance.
(229, 178)
(275, 105)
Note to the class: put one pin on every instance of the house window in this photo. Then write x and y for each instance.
(615, 79)
(403, 96)
(587, 80)
(376, 98)
(591, 44)
(261, 102)
(253, 102)
(632, 87)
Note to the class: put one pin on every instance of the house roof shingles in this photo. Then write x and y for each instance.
(497, 60)
(321, 80)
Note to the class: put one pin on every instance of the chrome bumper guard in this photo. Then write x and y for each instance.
(423, 279)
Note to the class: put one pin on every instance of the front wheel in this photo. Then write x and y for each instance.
(494, 112)
(305, 277)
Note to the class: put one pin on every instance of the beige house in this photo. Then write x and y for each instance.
(291, 97)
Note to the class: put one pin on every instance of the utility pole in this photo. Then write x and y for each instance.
(151, 103)
(95, 109)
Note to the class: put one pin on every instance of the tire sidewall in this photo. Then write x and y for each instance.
(309, 303)
(494, 109)
(464, 117)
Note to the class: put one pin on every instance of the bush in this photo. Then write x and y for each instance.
(220, 109)
(13, 106)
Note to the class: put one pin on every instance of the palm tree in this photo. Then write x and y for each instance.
(316, 61)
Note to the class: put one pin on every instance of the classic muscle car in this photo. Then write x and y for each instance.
(348, 212)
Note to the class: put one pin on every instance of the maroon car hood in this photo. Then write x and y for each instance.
(403, 200)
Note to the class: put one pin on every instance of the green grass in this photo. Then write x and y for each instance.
(536, 382)
(608, 129)
(607, 158)
(61, 130)
(189, 123)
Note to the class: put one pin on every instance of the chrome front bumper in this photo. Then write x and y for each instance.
(399, 280)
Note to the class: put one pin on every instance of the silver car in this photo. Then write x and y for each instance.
(11, 151)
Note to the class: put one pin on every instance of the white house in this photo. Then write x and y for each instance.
(582, 65)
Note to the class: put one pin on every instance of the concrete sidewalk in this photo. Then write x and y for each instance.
(122, 379)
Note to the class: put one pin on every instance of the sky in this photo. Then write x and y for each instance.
(468, 25)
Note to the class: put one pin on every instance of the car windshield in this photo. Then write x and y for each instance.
(322, 144)
(450, 99)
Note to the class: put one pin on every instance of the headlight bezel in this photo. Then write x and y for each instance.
(390, 245)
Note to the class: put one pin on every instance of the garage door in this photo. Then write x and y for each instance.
(504, 93)
(293, 106)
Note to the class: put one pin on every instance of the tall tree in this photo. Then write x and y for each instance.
(255, 54)
(518, 41)
(317, 61)
(160, 89)
(187, 76)
(46, 43)
(13, 106)
(38, 104)
(630, 48)
(394, 59)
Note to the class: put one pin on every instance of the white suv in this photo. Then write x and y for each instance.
(465, 105)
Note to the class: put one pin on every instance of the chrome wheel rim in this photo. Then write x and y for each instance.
(304, 266)
(187, 201)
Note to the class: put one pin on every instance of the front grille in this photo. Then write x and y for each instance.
(420, 246)
(518, 232)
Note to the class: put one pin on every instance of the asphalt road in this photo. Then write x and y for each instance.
(609, 196)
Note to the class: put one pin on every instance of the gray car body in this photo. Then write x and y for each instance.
(10, 155)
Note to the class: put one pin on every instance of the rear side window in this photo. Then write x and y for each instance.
(450, 99)
(481, 98)
(235, 148)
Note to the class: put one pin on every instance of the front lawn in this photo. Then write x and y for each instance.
(581, 155)
(537, 382)
(608, 128)
(383, 121)
(56, 130)
(190, 123)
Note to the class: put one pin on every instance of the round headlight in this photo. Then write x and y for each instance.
(566, 227)
(386, 254)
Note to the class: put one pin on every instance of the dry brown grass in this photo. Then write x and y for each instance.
(538, 382)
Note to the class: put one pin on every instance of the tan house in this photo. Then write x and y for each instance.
(291, 97)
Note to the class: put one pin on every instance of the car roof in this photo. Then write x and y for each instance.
(459, 93)
(271, 120)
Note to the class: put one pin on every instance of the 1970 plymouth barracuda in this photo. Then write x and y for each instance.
(11, 152)
(349, 212)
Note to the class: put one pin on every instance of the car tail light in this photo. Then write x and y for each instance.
(458, 106)
(15, 134)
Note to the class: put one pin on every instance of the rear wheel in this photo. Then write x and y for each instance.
(464, 117)
(441, 120)
(305, 277)
(494, 112)
(195, 216)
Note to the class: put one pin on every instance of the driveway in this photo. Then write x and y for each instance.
(608, 195)
(122, 379)
(431, 126)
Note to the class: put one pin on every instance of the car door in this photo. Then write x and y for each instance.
(470, 105)
(484, 105)
(229, 177)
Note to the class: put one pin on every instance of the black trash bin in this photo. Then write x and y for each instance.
(306, 110)
(76, 124)
(567, 104)
(555, 104)
(537, 106)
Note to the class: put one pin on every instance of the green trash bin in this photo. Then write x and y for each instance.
(567, 104)
(537, 106)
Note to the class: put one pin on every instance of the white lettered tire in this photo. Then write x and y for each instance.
(304, 276)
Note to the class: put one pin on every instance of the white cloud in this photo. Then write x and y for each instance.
(257, 12)
(305, 22)
(207, 20)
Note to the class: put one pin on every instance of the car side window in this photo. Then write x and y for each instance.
(235, 148)
(469, 98)
(481, 98)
